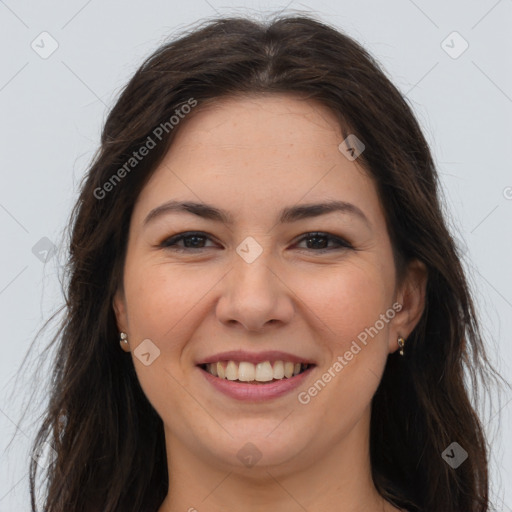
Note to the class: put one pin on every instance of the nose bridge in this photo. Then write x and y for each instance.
(251, 272)
(253, 294)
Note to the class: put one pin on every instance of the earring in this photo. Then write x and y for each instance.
(401, 343)
(123, 339)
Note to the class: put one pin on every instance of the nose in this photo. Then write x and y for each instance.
(254, 296)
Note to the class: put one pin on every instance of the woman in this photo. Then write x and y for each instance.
(262, 236)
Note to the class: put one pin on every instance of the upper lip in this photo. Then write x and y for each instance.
(254, 357)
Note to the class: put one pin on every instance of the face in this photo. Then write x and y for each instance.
(317, 286)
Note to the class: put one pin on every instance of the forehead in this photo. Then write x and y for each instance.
(256, 121)
(260, 152)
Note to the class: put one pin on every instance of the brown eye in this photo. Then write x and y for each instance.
(191, 240)
(195, 240)
(319, 242)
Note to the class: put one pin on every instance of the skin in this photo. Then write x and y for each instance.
(253, 156)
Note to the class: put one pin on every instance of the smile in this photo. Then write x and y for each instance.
(264, 381)
(264, 372)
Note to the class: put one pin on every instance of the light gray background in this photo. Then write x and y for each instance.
(52, 111)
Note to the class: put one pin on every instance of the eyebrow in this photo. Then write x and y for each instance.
(287, 215)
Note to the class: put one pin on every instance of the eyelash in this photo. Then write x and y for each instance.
(170, 243)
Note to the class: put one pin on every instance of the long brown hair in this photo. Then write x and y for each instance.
(108, 439)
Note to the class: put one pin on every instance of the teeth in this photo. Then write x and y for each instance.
(231, 371)
(264, 372)
(246, 372)
(278, 370)
(220, 370)
(261, 372)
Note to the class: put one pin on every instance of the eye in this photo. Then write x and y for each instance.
(193, 240)
(312, 240)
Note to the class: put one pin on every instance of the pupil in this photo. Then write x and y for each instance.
(315, 244)
(187, 240)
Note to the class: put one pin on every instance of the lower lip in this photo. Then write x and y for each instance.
(256, 392)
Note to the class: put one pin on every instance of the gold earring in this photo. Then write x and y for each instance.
(401, 344)
(123, 339)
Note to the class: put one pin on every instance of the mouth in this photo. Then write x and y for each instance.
(255, 383)
(263, 373)
(255, 377)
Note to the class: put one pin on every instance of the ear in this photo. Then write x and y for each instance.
(119, 305)
(411, 296)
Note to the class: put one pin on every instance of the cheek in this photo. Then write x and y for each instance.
(160, 303)
(160, 298)
(347, 301)
(354, 339)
